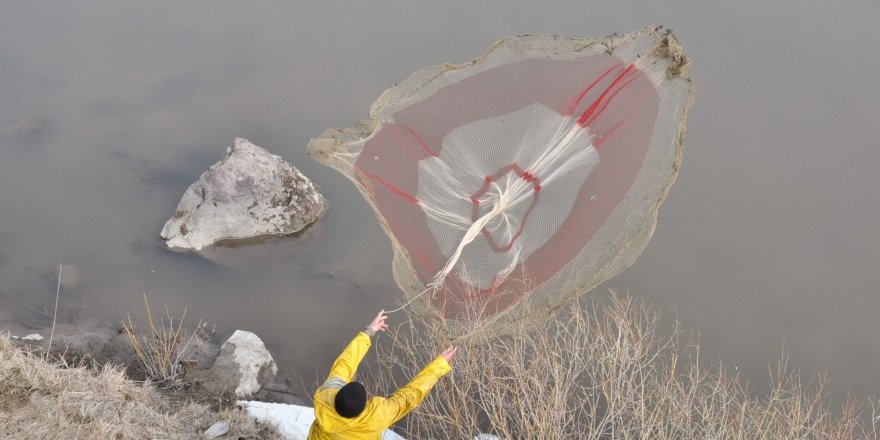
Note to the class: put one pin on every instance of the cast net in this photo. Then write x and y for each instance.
(511, 184)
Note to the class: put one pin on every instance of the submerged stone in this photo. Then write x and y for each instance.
(248, 193)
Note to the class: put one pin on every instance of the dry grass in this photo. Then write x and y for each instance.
(45, 400)
(163, 350)
(605, 371)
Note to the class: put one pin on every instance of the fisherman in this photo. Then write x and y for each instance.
(342, 410)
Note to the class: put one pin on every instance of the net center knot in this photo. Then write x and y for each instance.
(513, 192)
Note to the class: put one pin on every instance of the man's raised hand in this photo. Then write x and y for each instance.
(378, 323)
(448, 353)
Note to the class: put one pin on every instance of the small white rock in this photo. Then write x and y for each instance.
(217, 429)
(243, 366)
(252, 358)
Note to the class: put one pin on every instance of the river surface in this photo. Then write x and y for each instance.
(110, 109)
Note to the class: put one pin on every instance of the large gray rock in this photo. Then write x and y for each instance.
(242, 368)
(249, 193)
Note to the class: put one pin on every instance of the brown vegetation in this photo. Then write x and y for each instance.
(42, 399)
(607, 370)
(162, 352)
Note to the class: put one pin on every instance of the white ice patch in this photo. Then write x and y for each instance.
(291, 422)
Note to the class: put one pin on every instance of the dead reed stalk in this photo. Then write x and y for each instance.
(163, 350)
(55, 313)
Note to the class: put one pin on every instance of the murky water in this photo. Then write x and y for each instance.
(109, 109)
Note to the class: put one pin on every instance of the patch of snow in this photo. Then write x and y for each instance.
(292, 422)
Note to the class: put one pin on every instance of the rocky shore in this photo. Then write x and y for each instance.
(234, 381)
(240, 367)
(238, 372)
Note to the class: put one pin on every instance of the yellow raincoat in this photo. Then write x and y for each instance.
(380, 412)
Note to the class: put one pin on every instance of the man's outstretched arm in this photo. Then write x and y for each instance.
(410, 396)
(347, 363)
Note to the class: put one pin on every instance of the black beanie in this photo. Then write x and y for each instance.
(351, 400)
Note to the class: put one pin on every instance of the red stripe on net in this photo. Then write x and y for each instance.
(389, 186)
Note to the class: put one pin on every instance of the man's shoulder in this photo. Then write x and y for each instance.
(334, 382)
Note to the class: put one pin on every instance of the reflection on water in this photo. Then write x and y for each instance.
(110, 109)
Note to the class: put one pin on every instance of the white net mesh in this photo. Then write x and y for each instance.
(513, 183)
(493, 156)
